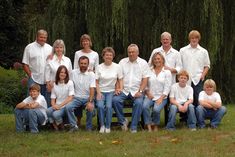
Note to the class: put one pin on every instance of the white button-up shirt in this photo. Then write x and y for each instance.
(82, 83)
(35, 56)
(61, 91)
(108, 76)
(133, 73)
(53, 65)
(194, 60)
(172, 60)
(42, 104)
(159, 84)
(181, 94)
(93, 59)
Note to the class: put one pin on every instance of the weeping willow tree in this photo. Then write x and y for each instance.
(118, 23)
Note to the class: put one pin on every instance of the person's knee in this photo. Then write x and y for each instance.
(223, 110)
(173, 108)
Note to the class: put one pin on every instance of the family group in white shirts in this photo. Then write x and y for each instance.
(169, 77)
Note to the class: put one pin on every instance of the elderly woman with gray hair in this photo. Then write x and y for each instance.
(158, 88)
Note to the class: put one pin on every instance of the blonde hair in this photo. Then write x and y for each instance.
(209, 83)
(194, 33)
(108, 49)
(58, 42)
(183, 73)
(162, 57)
(85, 37)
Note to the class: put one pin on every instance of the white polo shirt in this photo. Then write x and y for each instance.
(133, 73)
(214, 97)
(159, 84)
(93, 59)
(194, 60)
(172, 59)
(82, 83)
(53, 65)
(107, 76)
(61, 91)
(42, 104)
(180, 94)
(35, 56)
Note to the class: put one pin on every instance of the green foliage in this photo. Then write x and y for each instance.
(11, 89)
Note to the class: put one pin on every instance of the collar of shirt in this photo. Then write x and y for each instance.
(56, 57)
(85, 73)
(136, 61)
(39, 44)
(198, 47)
(168, 52)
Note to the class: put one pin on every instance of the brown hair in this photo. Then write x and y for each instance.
(57, 77)
(35, 86)
(194, 33)
(108, 49)
(87, 37)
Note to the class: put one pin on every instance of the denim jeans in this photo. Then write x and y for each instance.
(155, 118)
(196, 90)
(76, 103)
(214, 115)
(136, 109)
(55, 115)
(105, 110)
(43, 91)
(31, 117)
(191, 121)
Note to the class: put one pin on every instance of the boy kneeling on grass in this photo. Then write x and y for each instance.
(210, 105)
(181, 100)
(31, 111)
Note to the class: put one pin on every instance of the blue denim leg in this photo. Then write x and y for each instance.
(108, 109)
(201, 114)
(118, 106)
(89, 115)
(57, 115)
(49, 114)
(171, 119)
(21, 119)
(146, 110)
(76, 103)
(157, 111)
(35, 117)
(196, 90)
(136, 111)
(100, 108)
(191, 121)
(218, 115)
(29, 84)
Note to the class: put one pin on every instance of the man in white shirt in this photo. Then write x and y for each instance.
(84, 86)
(34, 60)
(135, 78)
(196, 62)
(172, 56)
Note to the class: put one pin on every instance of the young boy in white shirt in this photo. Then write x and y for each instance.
(31, 111)
(181, 99)
(210, 105)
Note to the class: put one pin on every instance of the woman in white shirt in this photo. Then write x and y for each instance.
(158, 88)
(52, 64)
(62, 93)
(107, 75)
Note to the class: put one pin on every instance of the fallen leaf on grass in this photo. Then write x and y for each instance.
(116, 142)
(175, 140)
(100, 142)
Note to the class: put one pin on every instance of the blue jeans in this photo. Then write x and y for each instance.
(55, 115)
(136, 109)
(105, 110)
(191, 121)
(43, 91)
(31, 117)
(196, 90)
(155, 118)
(76, 103)
(214, 115)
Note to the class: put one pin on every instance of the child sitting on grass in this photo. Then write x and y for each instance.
(210, 105)
(31, 111)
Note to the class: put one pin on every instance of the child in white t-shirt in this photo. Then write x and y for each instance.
(210, 105)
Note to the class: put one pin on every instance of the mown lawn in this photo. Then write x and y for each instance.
(180, 143)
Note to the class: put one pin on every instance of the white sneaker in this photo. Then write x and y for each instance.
(102, 129)
(125, 125)
(107, 130)
(133, 131)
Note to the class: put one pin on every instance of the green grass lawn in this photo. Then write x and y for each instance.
(180, 143)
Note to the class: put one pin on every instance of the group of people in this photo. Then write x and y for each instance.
(169, 77)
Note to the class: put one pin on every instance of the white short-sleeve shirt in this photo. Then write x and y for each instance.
(133, 73)
(53, 65)
(83, 82)
(93, 59)
(61, 91)
(108, 76)
(193, 61)
(214, 97)
(159, 84)
(35, 56)
(42, 104)
(172, 59)
(181, 94)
